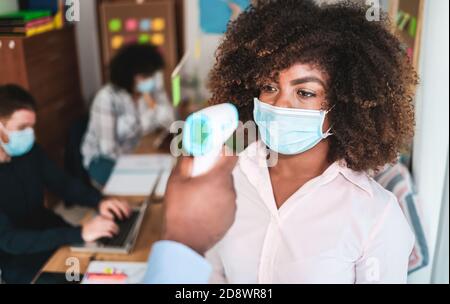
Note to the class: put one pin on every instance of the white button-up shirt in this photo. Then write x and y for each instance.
(341, 227)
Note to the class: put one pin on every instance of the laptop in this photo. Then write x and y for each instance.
(124, 242)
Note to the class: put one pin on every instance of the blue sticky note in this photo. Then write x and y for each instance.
(146, 25)
(215, 14)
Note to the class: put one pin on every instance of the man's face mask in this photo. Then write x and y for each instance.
(289, 131)
(20, 142)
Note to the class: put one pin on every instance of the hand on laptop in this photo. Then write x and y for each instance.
(114, 209)
(98, 227)
(199, 211)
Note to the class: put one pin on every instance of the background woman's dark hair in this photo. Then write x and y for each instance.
(371, 82)
(133, 60)
(13, 98)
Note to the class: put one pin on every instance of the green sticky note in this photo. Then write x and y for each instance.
(144, 38)
(176, 90)
(404, 21)
(115, 25)
(412, 27)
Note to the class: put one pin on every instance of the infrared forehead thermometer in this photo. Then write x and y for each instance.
(205, 132)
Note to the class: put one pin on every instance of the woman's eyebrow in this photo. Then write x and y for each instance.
(307, 79)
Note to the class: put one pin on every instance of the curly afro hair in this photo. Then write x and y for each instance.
(371, 82)
(133, 60)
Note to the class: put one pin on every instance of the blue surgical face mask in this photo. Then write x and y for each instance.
(146, 86)
(20, 142)
(289, 131)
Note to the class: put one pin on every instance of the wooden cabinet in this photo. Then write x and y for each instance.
(47, 66)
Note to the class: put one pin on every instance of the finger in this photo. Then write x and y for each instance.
(106, 234)
(106, 212)
(183, 168)
(109, 215)
(114, 229)
(116, 210)
(109, 228)
(124, 208)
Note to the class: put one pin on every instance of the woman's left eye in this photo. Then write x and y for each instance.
(306, 94)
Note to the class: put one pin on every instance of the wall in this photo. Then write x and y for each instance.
(441, 266)
(209, 43)
(432, 136)
(7, 6)
(88, 49)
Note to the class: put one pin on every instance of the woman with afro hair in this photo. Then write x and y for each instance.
(332, 96)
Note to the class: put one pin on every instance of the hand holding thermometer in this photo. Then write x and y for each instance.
(205, 132)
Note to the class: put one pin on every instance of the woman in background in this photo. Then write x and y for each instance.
(132, 105)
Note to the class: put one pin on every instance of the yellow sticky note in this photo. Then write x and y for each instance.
(198, 49)
(158, 24)
(117, 42)
(158, 39)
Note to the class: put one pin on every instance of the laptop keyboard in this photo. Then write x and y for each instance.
(125, 228)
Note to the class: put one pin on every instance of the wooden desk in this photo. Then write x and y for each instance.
(150, 231)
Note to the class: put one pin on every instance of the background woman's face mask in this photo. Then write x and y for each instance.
(289, 131)
(146, 86)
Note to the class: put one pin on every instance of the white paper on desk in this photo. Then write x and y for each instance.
(136, 175)
(147, 162)
(134, 271)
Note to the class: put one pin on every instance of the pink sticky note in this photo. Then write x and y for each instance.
(131, 25)
(410, 52)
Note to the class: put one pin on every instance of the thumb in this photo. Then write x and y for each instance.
(183, 168)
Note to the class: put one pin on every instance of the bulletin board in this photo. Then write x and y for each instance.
(153, 22)
(407, 16)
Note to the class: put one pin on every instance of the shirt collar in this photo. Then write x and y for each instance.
(359, 179)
